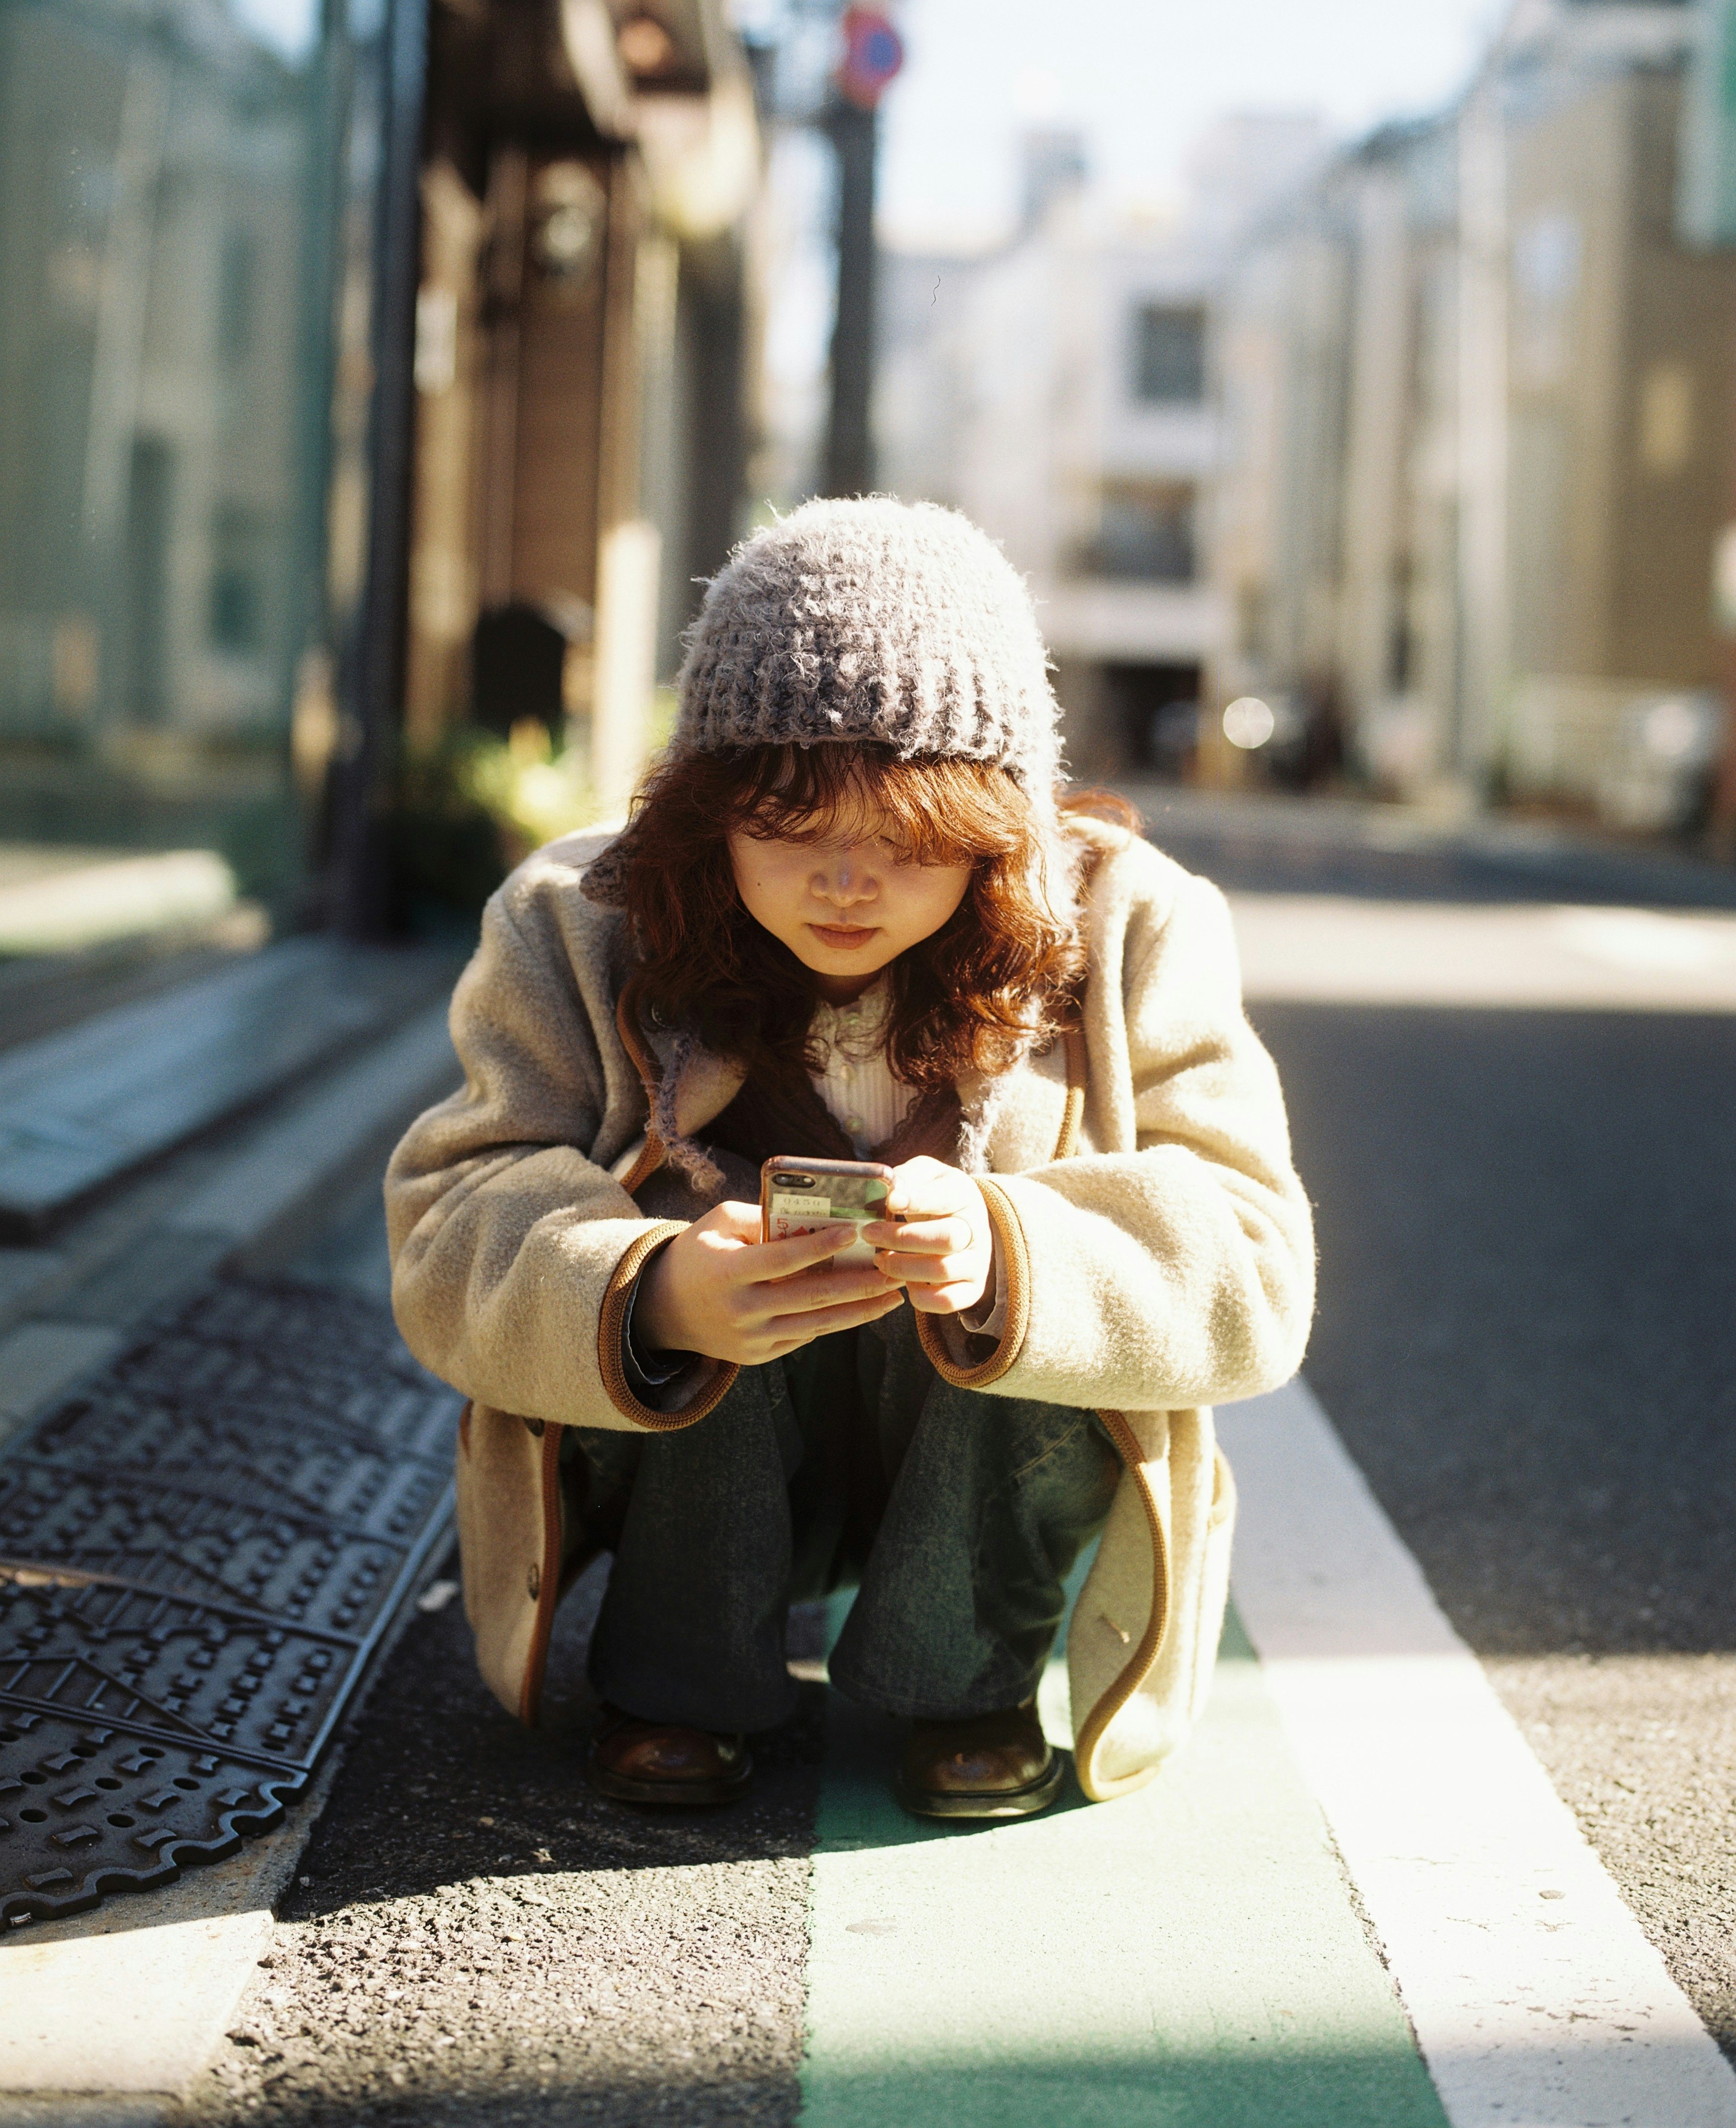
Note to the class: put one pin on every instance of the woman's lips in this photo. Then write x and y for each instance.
(842, 936)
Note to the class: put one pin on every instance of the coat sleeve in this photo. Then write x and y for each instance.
(1182, 1273)
(512, 1251)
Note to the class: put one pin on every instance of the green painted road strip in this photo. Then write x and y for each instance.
(1186, 1958)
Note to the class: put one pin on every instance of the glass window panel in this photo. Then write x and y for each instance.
(164, 383)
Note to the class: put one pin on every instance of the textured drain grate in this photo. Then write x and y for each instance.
(199, 1553)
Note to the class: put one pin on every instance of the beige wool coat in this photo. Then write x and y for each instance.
(1155, 1247)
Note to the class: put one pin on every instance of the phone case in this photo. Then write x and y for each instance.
(800, 1196)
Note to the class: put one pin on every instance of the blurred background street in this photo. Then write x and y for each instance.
(380, 380)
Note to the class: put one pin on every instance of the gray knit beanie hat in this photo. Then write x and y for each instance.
(875, 623)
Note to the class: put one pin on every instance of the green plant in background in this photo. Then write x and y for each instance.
(532, 790)
(475, 805)
(666, 704)
(471, 808)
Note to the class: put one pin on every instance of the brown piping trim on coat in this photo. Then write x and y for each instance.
(610, 1319)
(1015, 1270)
(651, 1158)
(651, 1154)
(1140, 1664)
(627, 1026)
(1073, 1116)
(548, 1571)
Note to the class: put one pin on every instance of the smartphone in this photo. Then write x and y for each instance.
(800, 1196)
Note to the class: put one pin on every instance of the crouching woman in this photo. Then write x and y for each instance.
(856, 913)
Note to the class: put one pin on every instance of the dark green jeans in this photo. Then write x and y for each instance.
(955, 1516)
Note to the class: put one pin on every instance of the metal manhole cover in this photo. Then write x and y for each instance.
(199, 1552)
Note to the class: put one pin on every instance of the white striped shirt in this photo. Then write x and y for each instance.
(857, 1085)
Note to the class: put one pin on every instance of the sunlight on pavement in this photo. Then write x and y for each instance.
(1336, 949)
(1533, 1991)
(50, 906)
(1000, 1977)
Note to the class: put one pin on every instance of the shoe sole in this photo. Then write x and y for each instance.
(1026, 1802)
(670, 1795)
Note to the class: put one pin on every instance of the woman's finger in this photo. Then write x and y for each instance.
(943, 1237)
(821, 1322)
(800, 1252)
(945, 1202)
(945, 1299)
(771, 1298)
(930, 1271)
(922, 1186)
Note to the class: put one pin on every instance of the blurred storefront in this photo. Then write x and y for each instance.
(370, 373)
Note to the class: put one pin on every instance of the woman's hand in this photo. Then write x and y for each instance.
(717, 1289)
(937, 1242)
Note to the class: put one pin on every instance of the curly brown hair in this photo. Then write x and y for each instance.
(998, 974)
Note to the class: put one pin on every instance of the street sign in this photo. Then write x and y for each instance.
(873, 52)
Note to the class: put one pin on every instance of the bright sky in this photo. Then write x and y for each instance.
(288, 26)
(1144, 79)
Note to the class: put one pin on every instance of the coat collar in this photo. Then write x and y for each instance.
(688, 1086)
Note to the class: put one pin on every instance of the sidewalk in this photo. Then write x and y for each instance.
(165, 1152)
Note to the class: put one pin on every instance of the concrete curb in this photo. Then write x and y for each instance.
(279, 1184)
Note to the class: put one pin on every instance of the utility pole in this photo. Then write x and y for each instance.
(873, 54)
(849, 435)
(358, 887)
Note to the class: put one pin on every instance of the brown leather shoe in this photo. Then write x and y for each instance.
(982, 1765)
(663, 1763)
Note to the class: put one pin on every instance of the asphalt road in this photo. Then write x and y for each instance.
(473, 1937)
(1526, 1331)
(1526, 1337)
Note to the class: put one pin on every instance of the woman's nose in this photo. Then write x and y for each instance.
(844, 881)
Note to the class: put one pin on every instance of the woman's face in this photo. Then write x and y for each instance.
(848, 906)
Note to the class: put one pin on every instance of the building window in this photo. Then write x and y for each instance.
(237, 298)
(240, 558)
(1168, 353)
(150, 536)
(1144, 533)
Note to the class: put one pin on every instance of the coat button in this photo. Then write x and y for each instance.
(533, 1581)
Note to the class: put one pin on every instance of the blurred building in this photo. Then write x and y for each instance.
(1057, 392)
(364, 370)
(1477, 398)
